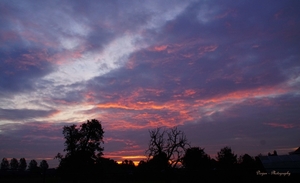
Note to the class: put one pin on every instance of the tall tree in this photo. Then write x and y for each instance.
(86, 138)
(14, 164)
(44, 165)
(72, 137)
(91, 136)
(171, 143)
(23, 164)
(33, 166)
(226, 157)
(82, 146)
(4, 164)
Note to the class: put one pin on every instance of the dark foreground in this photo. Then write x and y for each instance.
(177, 176)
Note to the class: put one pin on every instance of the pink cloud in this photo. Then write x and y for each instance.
(160, 48)
(281, 125)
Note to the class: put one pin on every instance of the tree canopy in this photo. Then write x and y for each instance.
(33, 165)
(196, 158)
(14, 164)
(44, 165)
(86, 138)
(82, 145)
(22, 164)
(4, 164)
(226, 157)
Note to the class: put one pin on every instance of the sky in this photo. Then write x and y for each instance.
(226, 73)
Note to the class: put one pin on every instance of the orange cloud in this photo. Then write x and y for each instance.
(189, 92)
(133, 112)
(168, 114)
(253, 93)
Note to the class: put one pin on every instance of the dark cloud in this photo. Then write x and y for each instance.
(21, 73)
(24, 114)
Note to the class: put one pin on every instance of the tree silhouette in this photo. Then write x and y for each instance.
(226, 157)
(171, 143)
(196, 158)
(246, 159)
(33, 166)
(142, 163)
(72, 137)
(4, 164)
(106, 167)
(248, 163)
(274, 153)
(128, 163)
(87, 138)
(44, 165)
(82, 145)
(128, 166)
(159, 162)
(23, 164)
(14, 164)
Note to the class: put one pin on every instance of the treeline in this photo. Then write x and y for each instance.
(20, 171)
(170, 157)
(21, 165)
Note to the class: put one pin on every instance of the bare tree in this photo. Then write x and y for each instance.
(171, 142)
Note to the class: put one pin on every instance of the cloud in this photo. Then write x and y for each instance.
(24, 114)
(21, 70)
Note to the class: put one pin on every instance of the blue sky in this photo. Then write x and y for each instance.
(227, 73)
